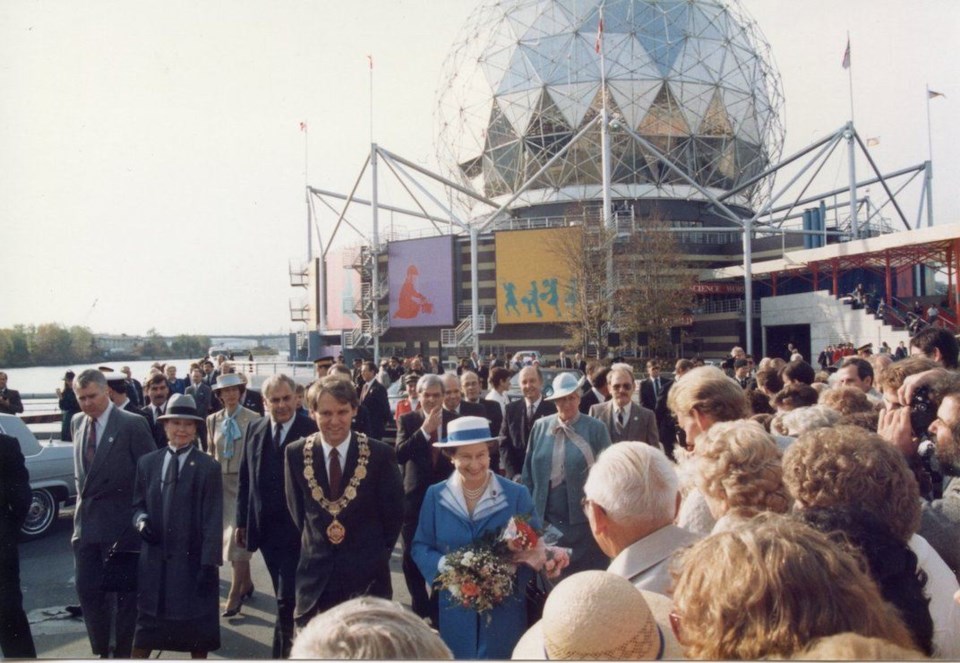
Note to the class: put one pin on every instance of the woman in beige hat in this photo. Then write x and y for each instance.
(596, 615)
(224, 442)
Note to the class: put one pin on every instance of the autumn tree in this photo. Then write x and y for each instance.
(653, 284)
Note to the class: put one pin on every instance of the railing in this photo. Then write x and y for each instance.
(448, 338)
(725, 306)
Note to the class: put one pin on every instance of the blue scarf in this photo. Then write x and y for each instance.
(231, 433)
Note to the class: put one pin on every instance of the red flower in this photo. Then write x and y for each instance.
(468, 588)
(527, 535)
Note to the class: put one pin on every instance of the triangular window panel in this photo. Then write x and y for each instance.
(665, 117)
(716, 122)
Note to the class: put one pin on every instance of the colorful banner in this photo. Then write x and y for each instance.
(533, 283)
(343, 291)
(421, 282)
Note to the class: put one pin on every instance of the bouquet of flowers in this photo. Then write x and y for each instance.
(478, 577)
(482, 576)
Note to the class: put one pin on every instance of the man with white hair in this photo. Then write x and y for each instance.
(631, 497)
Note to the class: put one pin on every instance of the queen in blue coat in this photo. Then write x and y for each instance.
(458, 513)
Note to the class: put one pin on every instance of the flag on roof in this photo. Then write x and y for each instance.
(599, 43)
(931, 94)
(846, 56)
(303, 126)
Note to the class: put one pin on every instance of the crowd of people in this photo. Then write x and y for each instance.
(719, 512)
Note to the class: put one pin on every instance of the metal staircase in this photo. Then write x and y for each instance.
(371, 295)
(463, 334)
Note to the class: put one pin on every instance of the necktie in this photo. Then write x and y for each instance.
(363, 392)
(277, 437)
(170, 481)
(434, 451)
(656, 387)
(336, 474)
(530, 412)
(620, 420)
(90, 449)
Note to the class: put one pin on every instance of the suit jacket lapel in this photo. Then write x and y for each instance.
(106, 441)
(352, 457)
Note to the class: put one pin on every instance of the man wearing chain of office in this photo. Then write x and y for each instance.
(345, 494)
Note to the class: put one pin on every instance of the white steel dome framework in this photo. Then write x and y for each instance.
(692, 77)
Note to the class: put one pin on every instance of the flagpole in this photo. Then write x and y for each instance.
(929, 130)
(604, 129)
(849, 61)
(306, 189)
(851, 144)
(370, 60)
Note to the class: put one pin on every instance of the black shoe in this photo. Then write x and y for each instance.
(247, 595)
(74, 610)
(232, 612)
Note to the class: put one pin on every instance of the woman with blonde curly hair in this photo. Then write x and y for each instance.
(738, 467)
(846, 466)
(770, 588)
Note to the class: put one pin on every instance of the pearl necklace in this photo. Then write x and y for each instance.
(473, 494)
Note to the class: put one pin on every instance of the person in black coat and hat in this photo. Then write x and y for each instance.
(178, 511)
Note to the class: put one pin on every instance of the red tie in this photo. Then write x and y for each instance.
(90, 450)
(336, 474)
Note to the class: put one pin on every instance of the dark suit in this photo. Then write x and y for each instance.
(378, 408)
(665, 422)
(15, 638)
(137, 389)
(193, 537)
(566, 362)
(156, 427)
(329, 574)
(423, 466)
(515, 434)
(203, 397)
(13, 404)
(588, 400)
(262, 510)
(252, 400)
(640, 426)
(102, 517)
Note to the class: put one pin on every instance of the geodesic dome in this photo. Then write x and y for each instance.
(692, 77)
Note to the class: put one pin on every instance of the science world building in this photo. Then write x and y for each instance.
(695, 120)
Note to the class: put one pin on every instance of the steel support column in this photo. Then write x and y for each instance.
(887, 278)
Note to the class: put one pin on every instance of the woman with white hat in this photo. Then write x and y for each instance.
(225, 442)
(563, 447)
(458, 513)
(596, 615)
(177, 510)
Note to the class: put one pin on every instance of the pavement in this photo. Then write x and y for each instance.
(47, 580)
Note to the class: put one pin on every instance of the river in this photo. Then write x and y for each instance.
(46, 379)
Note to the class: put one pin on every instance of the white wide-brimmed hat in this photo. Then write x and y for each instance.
(466, 430)
(597, 615)
(564, 385)
(226, 380)
(181, 406)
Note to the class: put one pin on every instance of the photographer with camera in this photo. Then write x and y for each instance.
(928, 434)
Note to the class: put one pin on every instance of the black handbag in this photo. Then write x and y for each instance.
(537, 590)
(120, 569)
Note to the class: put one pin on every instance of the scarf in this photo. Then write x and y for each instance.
(562, 432)
(231, 433)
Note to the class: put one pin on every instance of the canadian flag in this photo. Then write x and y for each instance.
(599, 43)
(303, 126)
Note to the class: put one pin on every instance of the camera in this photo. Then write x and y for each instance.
(923, 412)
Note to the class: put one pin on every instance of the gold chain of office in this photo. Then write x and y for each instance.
(336, 532)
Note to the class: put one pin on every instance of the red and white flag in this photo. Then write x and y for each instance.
(846, 56)
(599, 43)
(303, 126)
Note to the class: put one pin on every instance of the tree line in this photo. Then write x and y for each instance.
(52, 344)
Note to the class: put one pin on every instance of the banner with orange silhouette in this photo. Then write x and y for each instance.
(533, 284)
(421, 282)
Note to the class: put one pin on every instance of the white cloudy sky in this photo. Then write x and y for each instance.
(152, 168)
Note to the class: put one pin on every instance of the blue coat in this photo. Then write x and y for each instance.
(539, 462)
(445, 527)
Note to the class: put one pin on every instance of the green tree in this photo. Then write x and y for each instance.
(51, 344)
(83, 346)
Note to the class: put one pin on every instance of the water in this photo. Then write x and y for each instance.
(46, 379)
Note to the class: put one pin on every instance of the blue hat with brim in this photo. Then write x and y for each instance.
(466, 430)
(564, 385)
